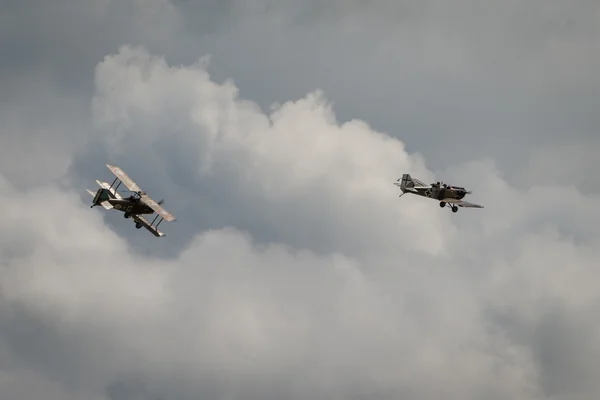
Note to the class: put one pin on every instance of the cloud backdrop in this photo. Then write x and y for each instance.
(294, 271)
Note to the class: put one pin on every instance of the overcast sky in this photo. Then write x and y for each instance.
(274, 131)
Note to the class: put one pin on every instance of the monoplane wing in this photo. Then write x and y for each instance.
(418, 183)
(157, 208)
(146, 224)
(123, 177)
(462, 203)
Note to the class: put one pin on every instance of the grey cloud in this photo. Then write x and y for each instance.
(228, 315)
(247, 326)
(432, 73)
(326, 285)
(49, 54)
(570, 162)
(271, 164)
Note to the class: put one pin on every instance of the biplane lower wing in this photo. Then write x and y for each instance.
(462, 203)
(164, 214)
(146, 224)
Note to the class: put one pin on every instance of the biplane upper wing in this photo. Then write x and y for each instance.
(123, 177)
(146, 224)
(462, 203)
(159, 210)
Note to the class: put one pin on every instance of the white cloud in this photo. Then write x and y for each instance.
(440, 76)
(297, 160)
(228, 308)
(324, 285)
(51, 49)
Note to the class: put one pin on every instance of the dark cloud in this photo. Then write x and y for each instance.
(435, 74)
(294, 271)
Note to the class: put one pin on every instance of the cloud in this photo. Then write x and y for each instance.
(47, 74)
(265, 321)
(294, 271)
(283, 166)
(543, 168)
(312, 278)
(432, 73)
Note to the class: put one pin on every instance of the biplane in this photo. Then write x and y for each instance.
(134, 206)
(447, 195)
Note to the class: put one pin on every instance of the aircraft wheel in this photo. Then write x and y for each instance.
(454, 208)
(138, 226)
(442, 204)
(126, 215)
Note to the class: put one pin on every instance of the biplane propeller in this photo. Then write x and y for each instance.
(133, 206)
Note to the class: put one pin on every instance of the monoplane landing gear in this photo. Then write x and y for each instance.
(453, 206)
(138, 225)
(126, 215)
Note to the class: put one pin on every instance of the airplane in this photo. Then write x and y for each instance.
(132, 206)
(450, 196)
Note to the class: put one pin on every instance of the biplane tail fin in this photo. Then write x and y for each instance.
(113, 193)
(104, 204)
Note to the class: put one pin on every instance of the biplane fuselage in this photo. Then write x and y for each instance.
(129, 205)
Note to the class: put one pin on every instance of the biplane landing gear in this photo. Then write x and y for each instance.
(138, 225)
(126, 215)
(442, 204)
(454, 209)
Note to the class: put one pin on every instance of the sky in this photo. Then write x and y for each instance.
(274, 131)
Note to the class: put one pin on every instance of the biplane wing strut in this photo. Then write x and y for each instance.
(149, 225)
(123, 177)
(164, 214)
(146, 203)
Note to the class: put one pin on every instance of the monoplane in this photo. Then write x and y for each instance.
(132, 206)
(447, 195)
